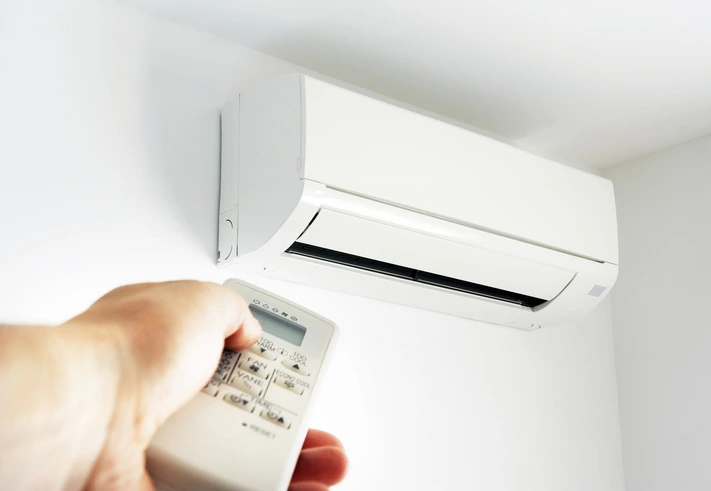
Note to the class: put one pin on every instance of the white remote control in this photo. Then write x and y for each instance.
(245, 430)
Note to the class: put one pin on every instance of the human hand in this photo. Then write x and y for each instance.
(117, 372)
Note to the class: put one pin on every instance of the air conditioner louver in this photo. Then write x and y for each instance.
(432, 279)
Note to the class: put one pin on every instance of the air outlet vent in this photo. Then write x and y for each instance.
(415, 275)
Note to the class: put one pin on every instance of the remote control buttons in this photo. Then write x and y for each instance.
(242, 381)
(255, 367)
(241, 401)
(227, 363)
(263, 352)
(289, 384)
(211, 388)
(222, 373)
(275, 416)
(296, 367)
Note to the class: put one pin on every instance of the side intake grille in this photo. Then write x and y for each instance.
(389, 269)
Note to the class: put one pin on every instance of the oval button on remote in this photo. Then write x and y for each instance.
(268, 354)
(275, 416)
(255, 367)
(296, 367)
(240, 401)
(289, 384)
(211, 388)
(242, 381)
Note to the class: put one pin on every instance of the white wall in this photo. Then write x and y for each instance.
(660, 303)
(109, 174)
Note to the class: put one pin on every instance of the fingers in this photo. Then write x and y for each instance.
(326, 465)
(211, 306)
(167, 340)
(322, 462)
(193, 304)
(232, 311)
(308, 486)
(318, 438)
(246, 336)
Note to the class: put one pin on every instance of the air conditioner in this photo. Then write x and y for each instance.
(325, 186)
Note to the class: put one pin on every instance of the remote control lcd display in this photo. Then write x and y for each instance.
(279, 326)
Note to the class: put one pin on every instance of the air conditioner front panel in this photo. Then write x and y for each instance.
(370, 148)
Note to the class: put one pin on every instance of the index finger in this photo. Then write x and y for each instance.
(245, 337)
(240, 328)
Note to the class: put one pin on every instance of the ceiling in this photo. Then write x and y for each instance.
(584, 83)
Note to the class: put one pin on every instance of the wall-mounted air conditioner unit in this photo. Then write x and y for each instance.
(328, 187)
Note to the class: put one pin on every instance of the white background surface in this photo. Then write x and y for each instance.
(109, 175)
(660, 305)
(590, 83)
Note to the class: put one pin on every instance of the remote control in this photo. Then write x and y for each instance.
(244, 431)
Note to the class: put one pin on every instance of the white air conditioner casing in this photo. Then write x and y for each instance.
(328, 187)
